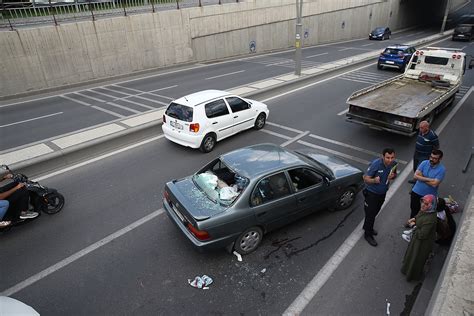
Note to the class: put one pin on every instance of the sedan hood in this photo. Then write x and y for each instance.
(196, 202)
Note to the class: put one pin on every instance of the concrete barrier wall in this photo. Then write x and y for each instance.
(71, 53)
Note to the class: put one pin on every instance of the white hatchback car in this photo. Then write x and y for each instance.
(201, 119)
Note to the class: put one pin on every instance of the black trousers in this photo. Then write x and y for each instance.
(372, 205)
(415, 204)
(18, 201)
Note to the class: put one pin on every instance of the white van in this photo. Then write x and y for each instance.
(201, 119)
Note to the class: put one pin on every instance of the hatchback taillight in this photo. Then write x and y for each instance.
(200, 234)
(194, 127)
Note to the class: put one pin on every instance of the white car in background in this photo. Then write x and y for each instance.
(201, 119)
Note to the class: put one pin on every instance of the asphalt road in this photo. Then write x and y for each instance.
(33, 119)
(62, 264)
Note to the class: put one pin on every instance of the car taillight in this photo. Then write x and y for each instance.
(164, 118)
(166, 196)
(194, 127)
(456, 56)
(200, 234)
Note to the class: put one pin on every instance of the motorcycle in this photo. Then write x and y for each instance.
(42, 199)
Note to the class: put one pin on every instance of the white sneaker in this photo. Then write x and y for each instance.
(407, 232)
(406, 238)
(27, 215)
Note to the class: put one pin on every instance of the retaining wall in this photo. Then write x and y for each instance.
(52, 56)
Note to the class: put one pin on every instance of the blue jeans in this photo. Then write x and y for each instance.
(3, 208)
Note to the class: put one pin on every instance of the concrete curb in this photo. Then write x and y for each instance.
(454, 291)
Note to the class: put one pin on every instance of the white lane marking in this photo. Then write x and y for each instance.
(98, 158)
(107, 111)
(223, 75)
(101, 93)
(287, 61)
(313, 84)
(367, 44)
(93, 106)
(124, 107)
(347, 48)
(90, 97)
(275, 134)
(74, 100)
(63, 263)
(334, 152)
(137, 103)
(285, 127)
(313, 287)
(32, 119)
(294, 139)
(343, 112)
(310, 56)
(87, 135)
(128, 95)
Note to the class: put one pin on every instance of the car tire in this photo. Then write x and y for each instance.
(208, 143)
(379, 66)
(249, 240)
(345, 199)
(260, 121)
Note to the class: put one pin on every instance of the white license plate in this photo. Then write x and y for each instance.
(176, 125)
(390, 62)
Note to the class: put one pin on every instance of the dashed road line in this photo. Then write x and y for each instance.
(294, 139)
(223, 75)
(90, 97)
(311, 56)
(32, 119)
(124, 107)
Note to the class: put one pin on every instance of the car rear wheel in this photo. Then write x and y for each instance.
(208, 143)
(260, 121)
(379, 66)
(346, 199)
(249, 240)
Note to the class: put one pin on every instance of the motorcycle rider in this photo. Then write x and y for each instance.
(18, 197)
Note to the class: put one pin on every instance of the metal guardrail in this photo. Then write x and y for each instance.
(39, 12)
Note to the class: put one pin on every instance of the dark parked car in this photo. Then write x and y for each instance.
(463, 32)
(380, 33)
(395, 56)
(236, 198)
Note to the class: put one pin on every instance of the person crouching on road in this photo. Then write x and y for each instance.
(377, 178)
(422, 240)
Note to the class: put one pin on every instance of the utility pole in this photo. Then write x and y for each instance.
(299, 29)
(446, 12)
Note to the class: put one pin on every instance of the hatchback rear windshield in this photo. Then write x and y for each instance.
(462, 29)
(180, 112)
(436, 60)
(392, 51)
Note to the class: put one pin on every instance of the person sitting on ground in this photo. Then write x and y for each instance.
(18, 198)
(446, 226)
(422, 241)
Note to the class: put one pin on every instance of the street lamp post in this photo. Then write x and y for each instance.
(299, 28)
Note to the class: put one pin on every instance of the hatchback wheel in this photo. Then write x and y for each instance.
(260, 121)
(249, 240)
(208, 143)
(346, 199)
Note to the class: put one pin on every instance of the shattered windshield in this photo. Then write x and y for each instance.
(219, 183)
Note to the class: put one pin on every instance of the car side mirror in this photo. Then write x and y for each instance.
(471, 63)
(326, 181)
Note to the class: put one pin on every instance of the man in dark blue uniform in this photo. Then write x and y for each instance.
(377, 178)
(426, 141)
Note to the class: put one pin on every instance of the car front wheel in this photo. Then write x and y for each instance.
(260, 121)
(249, 240)
(208, 143)
(346, 199)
